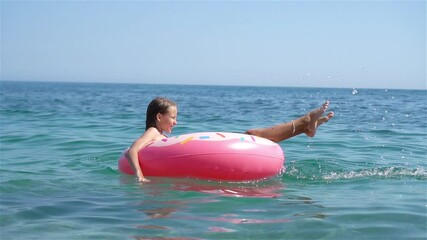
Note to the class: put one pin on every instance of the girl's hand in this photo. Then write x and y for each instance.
(143, 179)
(140, 177)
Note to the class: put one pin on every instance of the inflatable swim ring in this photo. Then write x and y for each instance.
(209, 155)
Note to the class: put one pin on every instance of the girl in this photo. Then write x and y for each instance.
(162, 117)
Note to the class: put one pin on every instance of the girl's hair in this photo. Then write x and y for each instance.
(157, 105)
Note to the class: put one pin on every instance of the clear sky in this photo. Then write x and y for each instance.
(353, 44)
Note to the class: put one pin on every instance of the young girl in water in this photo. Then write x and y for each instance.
(162, 117)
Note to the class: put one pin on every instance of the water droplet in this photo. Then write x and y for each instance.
(354, 92)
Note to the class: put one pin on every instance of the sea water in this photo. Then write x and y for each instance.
(363, 176)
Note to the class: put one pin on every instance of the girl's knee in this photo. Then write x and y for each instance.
(250, 132)
(253, 132)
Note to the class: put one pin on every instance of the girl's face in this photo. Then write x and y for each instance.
(166, 121)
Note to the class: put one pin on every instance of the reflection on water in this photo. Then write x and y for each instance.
(233, 218)
(271, 188)
(267, 189)
(216, 205)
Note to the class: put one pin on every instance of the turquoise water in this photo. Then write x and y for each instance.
(363, 176)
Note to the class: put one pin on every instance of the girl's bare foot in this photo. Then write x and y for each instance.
(314, 116)
(307, 124)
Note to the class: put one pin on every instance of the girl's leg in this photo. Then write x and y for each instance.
(306, 124)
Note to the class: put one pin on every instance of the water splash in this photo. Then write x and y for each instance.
(318, 170)
(385, 172)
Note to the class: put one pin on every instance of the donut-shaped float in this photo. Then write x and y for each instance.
(209, 155)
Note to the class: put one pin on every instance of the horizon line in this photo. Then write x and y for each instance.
(207, 85)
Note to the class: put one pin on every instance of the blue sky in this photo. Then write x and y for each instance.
(352, 44)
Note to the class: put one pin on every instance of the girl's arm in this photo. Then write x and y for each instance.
(132, 155)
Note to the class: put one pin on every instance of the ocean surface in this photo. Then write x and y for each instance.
(363, 176)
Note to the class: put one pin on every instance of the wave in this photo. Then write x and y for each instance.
(385, 172)
(313, 171)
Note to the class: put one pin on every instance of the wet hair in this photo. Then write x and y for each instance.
(157, 105)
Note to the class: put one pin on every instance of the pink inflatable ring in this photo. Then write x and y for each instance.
(210, 155)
